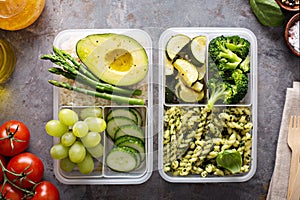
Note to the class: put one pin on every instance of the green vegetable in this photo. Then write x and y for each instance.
(230, 66)
(187, 71)
(187, 94)
(73, 70)
(229, 92)
(267, 12)
(228, 52)
(194, 51)
(245, 65)
(175, 44)
(73, 73)
(123, 159)
(112, 97)
(231, 160)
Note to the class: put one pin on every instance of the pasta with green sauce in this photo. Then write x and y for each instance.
(194, 136)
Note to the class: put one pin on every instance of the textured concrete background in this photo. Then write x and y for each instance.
(28, 96)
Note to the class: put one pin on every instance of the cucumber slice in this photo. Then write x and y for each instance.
(122, 112)
(133, 142)
(132, 130)
(85, 46)
(138, 116)
(122, 159)
(175, 44)
(113, 125)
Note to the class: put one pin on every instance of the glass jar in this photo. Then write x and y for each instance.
(7, 60)
(19, 14)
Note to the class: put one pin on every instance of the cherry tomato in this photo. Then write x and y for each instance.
(2, 159)
(29, 166)
(14, 138)
(10, 192)
(45, 190)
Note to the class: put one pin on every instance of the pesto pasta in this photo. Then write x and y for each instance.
(194, 137)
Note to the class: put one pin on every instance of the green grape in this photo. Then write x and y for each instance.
(67, 165)
(91, 139)
(96, 151)
(77, 152)
(67, 117)
(55, 128)
(80, 129)
(59, 151)
(95, 124)
(87, 165)
(90, 112)
(68, 139)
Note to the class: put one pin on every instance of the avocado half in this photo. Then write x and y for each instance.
(115, 58)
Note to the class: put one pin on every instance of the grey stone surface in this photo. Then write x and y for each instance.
(28, 96)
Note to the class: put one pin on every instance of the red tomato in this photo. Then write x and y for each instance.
(14, 138)
(3, 161)
(29, 166)
(10, 192)
(45, 190)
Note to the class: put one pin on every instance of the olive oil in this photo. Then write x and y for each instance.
(7, 60)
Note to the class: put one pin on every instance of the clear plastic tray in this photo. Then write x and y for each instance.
(250, 99)
(103, 175)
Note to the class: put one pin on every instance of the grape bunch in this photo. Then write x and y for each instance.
(80, 138)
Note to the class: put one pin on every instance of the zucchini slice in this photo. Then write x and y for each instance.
(201, 72)
(175, 44)
(133, 142)
(114, 124)
(168, 67)
(122, 159)
(138, 116)
(198, 49)
(194, 51)
(122, 112)
(197, 86)
(187, 94)
(187, 71)
(132, 130)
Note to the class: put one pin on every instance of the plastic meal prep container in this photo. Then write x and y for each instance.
(67, 40)
(250, 100)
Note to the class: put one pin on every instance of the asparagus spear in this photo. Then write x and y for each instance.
(60, 71)
(107, 87)
(115, 98)
(65, 56)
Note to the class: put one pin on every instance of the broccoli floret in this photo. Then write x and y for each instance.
(238, 45)
(231, 65)
(224, 58)
(245, 65)
(228, 52)
(241, 82)
(228, 92)
(217, 92)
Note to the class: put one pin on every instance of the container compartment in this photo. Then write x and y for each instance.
(121, 113)
(67, 40)
(191, 172)
(98, 162)
(176, 82)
